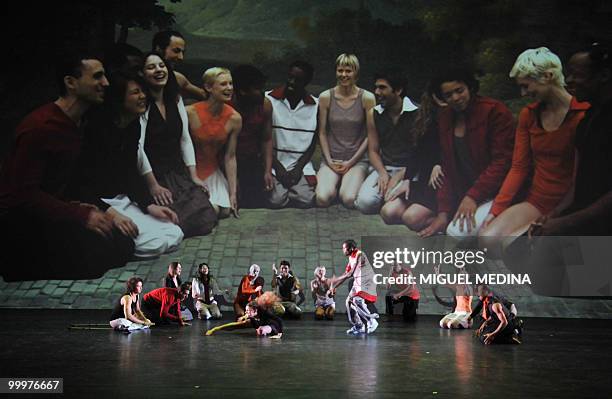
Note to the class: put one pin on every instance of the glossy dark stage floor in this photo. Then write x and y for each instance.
(560, 358)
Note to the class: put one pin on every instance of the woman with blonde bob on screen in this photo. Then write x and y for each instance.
(342, 133)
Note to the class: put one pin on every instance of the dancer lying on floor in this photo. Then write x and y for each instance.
(258, 315)
(126, 313)
(361, 293)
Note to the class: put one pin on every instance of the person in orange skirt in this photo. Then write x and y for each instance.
(544, 146)
(214, 128)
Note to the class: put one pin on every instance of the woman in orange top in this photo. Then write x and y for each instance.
(544, 146)
(214, 128)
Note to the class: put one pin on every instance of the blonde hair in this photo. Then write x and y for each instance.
(349, 60)
(533, 63)
(211, 74)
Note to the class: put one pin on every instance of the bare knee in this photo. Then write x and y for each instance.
(348, 200)
(390, 215)
(223, 213)
(324, 198)
(413, 220)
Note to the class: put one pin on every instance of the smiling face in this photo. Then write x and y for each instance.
(456, 94)
(284, 270)
(155, 72)
(175, 51)
(92, 83)
(385, 95)
(346, 76)
(135, 102)
(320, 274)
(223, 88)
(204, 269)
(296, 82)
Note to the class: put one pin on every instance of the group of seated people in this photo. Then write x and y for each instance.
(120, 167)
(496, 316)
(178, 301)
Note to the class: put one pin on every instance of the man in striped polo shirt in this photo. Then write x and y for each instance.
(294, 126)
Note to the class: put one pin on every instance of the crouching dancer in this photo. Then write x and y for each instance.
(157, 304)
(362, 292)
(501, 325)
(325, 306)
(126, 313)
(258, 315)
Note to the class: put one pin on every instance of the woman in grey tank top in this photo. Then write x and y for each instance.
(342, 133)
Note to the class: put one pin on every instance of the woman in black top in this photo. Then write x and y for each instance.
(126, 313)
(108, 173)
(414, 202)
(173, 280)
(167, 157)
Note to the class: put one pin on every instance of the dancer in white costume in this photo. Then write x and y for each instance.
(362, 292)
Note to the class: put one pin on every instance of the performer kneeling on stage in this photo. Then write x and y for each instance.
(258, 315)
(362, 291)
(460, 317)
(126, 313)
(157, 304)
(250, 288)
(288, 287)
(325, 306)
(407, 294)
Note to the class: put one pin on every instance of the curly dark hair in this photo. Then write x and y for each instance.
(131, 284)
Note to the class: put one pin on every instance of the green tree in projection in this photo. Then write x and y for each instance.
(142, 14)
(42, 32)
(377, 43)
(479, 33)
(485, 35)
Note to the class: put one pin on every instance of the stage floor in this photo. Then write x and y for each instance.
(560, 358)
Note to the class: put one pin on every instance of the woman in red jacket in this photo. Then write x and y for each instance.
(476, 140)
(544, 147)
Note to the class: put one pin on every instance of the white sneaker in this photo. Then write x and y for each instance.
(356, 330)
(372, 326)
